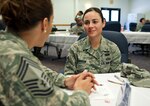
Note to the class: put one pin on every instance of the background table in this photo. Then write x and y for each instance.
(137, 37)
(61, 41)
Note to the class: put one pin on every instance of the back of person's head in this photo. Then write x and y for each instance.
(96, 10)
(80, 12)
(142, 19)
(22, 15)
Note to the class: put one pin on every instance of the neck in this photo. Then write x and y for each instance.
(27, 37)
(95, 42)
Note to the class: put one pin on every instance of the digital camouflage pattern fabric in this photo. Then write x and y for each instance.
(24, 81)
(135, 75)
(105, 59)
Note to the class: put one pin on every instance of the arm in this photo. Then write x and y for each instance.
(116, 59)
(70, 66)
(31, 85)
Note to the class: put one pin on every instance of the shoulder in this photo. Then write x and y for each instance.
(109, 45)
(79, 45)
(108, 42)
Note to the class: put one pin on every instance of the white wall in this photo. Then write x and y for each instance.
(141, 6)
(123, 4)
(65, 10)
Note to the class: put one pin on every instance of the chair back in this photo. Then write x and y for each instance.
(146, 28)
(72, 24)
(2, 25)
(132, 26)
(112, 26)
(82, 35)
(120, 40)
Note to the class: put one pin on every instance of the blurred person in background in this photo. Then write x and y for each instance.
(140, 24)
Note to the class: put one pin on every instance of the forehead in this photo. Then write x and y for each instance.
(92, 15)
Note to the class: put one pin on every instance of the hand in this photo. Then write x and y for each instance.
(70, 81)
(89, 74)
(85, 82)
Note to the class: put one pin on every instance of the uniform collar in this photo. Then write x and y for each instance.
(15, 38)
(87, 46)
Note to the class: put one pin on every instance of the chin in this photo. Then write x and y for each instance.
(40, 45)
(91, 34)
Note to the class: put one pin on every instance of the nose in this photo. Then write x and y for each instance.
(91, 24)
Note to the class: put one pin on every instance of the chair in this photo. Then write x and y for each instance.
(132, 26)
(2, 25)
(146, 28)
(147, 23)
(1, 104)
(72, 24)
(145, 48)
(120, 40)
(82, 35)
(112, 26)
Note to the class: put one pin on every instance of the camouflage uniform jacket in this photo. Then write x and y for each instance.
(105, 59)
(76, 29)
(24, 81)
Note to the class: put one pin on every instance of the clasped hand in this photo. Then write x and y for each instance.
(83, 81)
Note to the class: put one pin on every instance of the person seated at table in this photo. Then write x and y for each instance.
(93, 53)
(24, 81)
(140, 24)
(78, 28)
(79, 14)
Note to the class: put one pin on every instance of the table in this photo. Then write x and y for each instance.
(137, 37)
(139, 96)
(61, 41)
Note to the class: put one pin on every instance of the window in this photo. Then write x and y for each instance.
(111, 14)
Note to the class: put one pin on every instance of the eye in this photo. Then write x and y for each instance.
(86, 22)
(95, 21)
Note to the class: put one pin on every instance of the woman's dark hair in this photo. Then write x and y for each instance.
(96, 10)
(21, 15)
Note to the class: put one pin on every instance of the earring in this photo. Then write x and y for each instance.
(45, 31)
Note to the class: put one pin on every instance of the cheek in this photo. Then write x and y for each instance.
(85, 27)
(50, 28)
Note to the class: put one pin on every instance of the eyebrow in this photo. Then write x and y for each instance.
(93, 19)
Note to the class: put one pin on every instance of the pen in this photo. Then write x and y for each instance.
(120, 79)
(114, 82)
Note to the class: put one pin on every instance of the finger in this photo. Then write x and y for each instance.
(75, 76)
(91, 85)
(87, 74)
(89, 79)
(91, 74)
(83, 75)
(94, 87)
(95, 82)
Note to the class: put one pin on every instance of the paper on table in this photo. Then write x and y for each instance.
(102, 92)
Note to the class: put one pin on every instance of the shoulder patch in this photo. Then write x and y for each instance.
(34, 78)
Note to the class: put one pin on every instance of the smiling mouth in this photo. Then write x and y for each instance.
(91, 31)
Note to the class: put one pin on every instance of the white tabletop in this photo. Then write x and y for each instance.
(137, 37)
(108, 93)
(62, 40)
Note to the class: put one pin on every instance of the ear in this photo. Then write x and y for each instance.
(44, 25)
(103, 24)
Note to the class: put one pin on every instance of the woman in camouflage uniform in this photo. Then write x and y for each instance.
(93, 53)
(24, 81)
